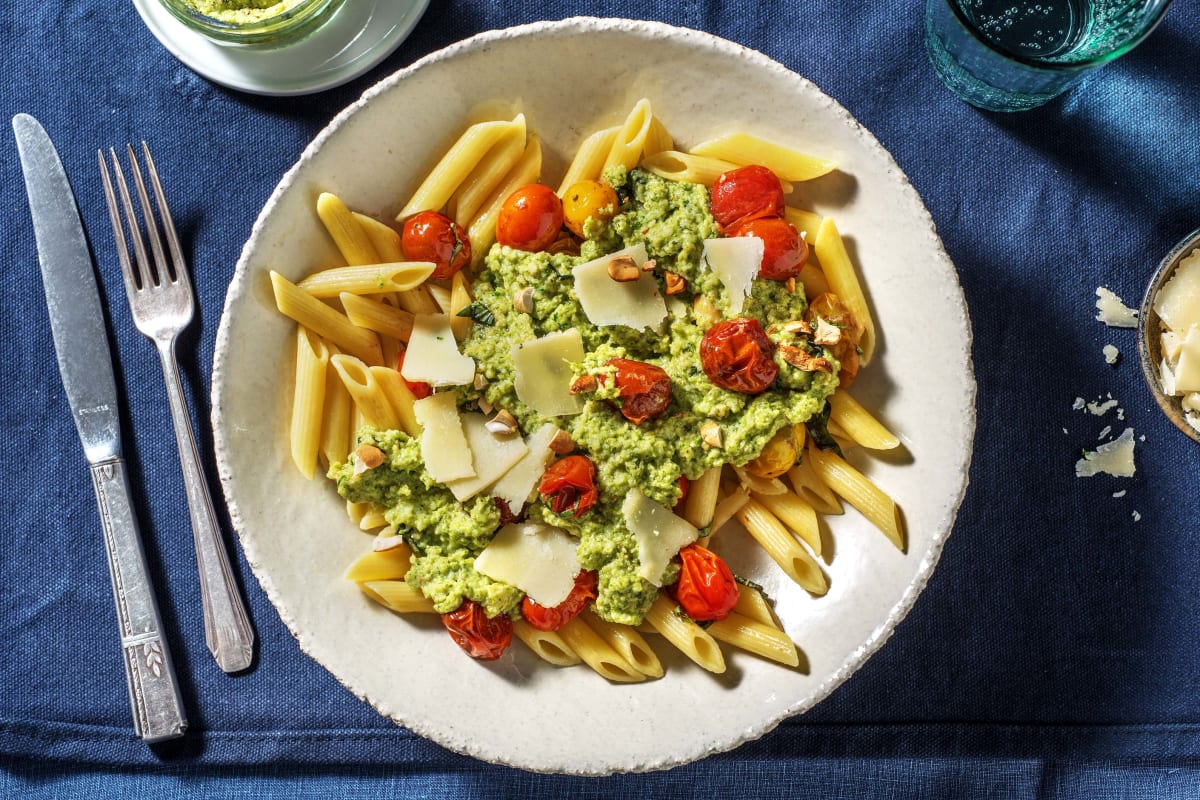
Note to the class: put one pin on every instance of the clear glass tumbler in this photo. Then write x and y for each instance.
(1012, 55)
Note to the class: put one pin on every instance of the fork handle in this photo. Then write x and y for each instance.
(226, 626)
(153, 690)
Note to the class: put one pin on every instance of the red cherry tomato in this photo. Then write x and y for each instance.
(420, 389)
(746, 193)
(737, 355)
(551, 618)
(645, 389)
(530, 218)
(483, 637)
(569, 486)
(706, 589)
(430, 236)
(784, 251)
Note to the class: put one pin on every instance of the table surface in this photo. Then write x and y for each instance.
(1055, 650)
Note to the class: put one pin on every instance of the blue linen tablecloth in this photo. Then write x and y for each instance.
(1056, 649)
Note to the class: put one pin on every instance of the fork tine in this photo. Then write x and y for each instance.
(178, 263)
(161, 273)
(114, 215)
(144, 277)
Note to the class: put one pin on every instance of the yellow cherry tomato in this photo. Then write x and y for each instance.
(585, 200)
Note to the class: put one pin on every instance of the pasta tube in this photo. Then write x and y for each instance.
(859, 424)
(843, 281)
(692, 640)
(596, 653)
(397, 596)
(858, 490)
(589, 159)
(628, 643)
(754, 637)
(546, 645)
(788, 164)
(308, 400)
(630, 140)
(348, 236)
(368, 278)
(782, 547)
(294, 302)
(380, 565)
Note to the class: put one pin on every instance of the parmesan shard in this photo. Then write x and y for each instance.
(637, 303)
(1187, 370)
(543, 372)
(1111, 458)
(493, 457)
(537, 559)
(432, 355)
(518, 483)
(1178, 302)
(659, 534)
(444, 446)
(1112, 311)
(735, 261)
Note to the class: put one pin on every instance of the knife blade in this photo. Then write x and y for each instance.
(85, 363)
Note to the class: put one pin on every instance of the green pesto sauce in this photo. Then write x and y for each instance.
(672, 220)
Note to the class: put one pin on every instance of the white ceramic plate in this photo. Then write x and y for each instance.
(570, 77)
(361, 34)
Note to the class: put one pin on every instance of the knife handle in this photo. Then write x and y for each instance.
(153, 690)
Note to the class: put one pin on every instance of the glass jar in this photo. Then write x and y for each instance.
(245, 22)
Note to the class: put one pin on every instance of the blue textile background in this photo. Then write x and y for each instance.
(1056, 649)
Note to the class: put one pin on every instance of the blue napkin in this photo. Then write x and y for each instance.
(1061, 622)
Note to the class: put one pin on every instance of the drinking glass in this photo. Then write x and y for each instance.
(1012, 55)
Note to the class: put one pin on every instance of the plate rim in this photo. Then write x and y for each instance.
(882, 631)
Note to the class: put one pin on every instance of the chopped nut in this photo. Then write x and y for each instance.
(790, 285)
(675, 283)
(796, 327)
(706, 313)
(480, 381)
(584, 384)
(623, 269)
(523, 300)
(367, 456)
(387, 541)
(502, 424)
(562, 443)
(801, 359)
(710, 434)
(649, 265)
(827, 333)
(485, 406)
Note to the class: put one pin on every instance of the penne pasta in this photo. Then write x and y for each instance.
(596, 653)
(843, 281)
(477, 187)
(460, 298)
(782, 547)
(859, 424)
(807, 222)
(373, 520)
(727, 507)
(546, 645)
(658, 139)
(355, 511)
(858, 490)
(628, 643)
(813, 490)
(754, 606)
(348, 236)
(797, 515)
(755, 637)
(399, 397)
(589, 159)
(294, 302)
(380, 565)
(398, 596)
(308, 400)
(813, 280)
(630, 140)
(690, 639)
(701, 502)
(454, 167)
(369, 397)
(368, 278)
(678, 166)
(378, 316)
(482, 230)
(788, 164)
(337, 431)
(383, 237)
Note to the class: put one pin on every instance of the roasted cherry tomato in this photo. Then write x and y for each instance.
(483, 637)
(552, 618)
(706, 590)
(569, 486)
(585, 200)
(430, 236)
(420, 389)
(784, 250)
(685, 486)
(746, 193)
(737, 355)
(530, 218)
(645, 389)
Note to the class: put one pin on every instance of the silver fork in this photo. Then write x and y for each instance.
(161, 302)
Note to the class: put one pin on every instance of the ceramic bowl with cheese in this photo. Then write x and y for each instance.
(1169, 335)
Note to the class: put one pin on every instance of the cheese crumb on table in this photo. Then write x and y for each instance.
(1111, 458)
(1112, 311)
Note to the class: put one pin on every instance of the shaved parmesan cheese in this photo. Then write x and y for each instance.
(637, 304)
(443, 444)
(1111, 354)
(1178, 301)
(1112, 311)
(735, 261)
(432, 354)
(537, 559)
(493, 457)
(1187, 370)
(543, 371)
(659, 534)
(517, 484)
(1111, 458)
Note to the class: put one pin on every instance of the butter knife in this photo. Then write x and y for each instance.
(81, 344)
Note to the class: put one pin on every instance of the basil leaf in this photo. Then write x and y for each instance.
(818, 428)
(478, 312)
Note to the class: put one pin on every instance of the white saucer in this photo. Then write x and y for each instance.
(361, 34)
